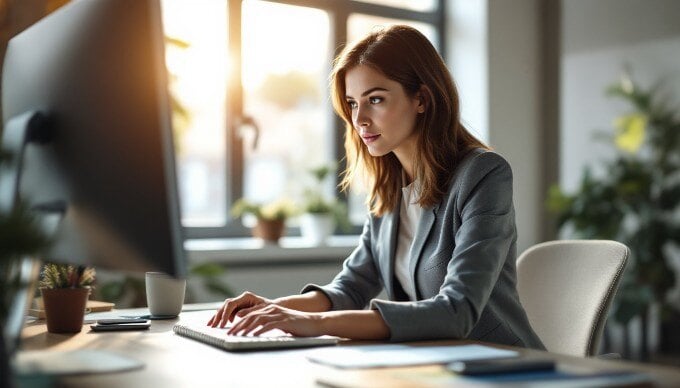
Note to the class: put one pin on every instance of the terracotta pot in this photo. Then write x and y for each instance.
(65, 308)
(269, 230)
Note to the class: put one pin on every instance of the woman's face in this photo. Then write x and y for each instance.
(382, 113)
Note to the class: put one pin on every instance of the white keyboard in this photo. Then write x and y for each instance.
(272, 340)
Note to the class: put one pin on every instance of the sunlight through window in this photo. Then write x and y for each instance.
(285, 68)
(251, 111)
(197, 60)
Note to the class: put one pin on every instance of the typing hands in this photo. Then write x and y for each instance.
(259, 315)
(240, 305)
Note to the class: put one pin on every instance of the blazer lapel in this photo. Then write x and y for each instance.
(423, 231)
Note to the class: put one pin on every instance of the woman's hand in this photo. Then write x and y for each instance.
(272, 316)
(240, 305)
(304, 315)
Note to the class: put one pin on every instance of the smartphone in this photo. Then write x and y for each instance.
(120, 320)
(501, 365)
(121, 326)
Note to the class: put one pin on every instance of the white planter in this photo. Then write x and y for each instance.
(316, 228)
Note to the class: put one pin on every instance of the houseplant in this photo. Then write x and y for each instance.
(634, 202)
(321, 214)
(271, 217)
(65, 289)
(20, 236)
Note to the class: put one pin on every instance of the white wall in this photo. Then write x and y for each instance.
(598, 38)
(494, 55)
(514, 106)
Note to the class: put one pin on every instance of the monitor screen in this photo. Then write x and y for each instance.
(96, 70)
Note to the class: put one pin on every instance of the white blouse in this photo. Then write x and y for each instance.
(408, 222)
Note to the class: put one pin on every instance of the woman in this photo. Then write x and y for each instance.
(440, 238)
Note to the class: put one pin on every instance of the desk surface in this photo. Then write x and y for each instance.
(175, 361)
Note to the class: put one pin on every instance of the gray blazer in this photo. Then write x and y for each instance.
(463, 264)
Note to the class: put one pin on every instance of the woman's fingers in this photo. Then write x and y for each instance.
(276, 317)
(215, 320)
(248, 322)
(245, 311)
(250, 302)
(267, 327)
(220, 315)
(232, 306)
(271, 321)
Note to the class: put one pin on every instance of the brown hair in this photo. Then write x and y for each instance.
(406, 56)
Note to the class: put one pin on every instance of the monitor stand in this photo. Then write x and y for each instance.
(29, 127)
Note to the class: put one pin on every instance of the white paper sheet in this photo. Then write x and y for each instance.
(371, 356)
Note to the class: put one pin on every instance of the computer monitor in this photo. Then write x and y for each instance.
(89, 83)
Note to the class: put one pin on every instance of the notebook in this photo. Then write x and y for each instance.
(274, 339)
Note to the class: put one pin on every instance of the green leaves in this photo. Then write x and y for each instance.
(316, 203)
(20, 234)
(320, 173)
(634, 200)
(633, 300)
(277, 210)
(592, 212)
(210, 274)
(64, 276)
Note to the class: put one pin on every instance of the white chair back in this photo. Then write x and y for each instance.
(567, 287)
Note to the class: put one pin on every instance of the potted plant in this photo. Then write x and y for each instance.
(271, 217)
(20, 236)
(321, 215)
(634, 202)
(65, 289)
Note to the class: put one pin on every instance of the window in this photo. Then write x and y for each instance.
(199, 65)
(251, 106)
(285, 67)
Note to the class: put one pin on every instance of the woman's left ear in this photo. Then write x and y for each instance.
(423, 99)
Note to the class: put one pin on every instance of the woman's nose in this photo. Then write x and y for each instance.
(361, 119)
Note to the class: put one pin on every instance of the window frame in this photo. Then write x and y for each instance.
(339, 12)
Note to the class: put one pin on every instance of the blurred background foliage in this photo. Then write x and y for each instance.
(289, 89)
(636, 201)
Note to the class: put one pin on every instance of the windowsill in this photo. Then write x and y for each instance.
(252, 251)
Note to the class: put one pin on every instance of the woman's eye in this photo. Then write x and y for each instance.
(375, 100)
(352, 104)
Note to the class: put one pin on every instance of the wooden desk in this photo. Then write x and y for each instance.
(174, 361)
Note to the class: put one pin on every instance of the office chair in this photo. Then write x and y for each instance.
(567, 287)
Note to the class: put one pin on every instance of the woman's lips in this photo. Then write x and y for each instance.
(369, 138)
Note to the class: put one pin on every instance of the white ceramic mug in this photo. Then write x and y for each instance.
(164, 294)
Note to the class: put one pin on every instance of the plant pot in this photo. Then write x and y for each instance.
(65, 308)
(269, 230)
(317, 227)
